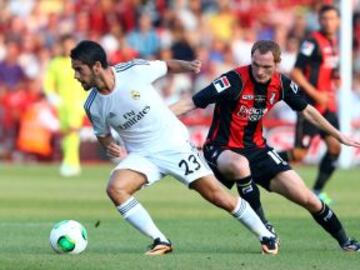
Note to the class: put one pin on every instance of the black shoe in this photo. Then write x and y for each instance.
(271, 228)
(159, 248)
(269, 245)
(351, 246)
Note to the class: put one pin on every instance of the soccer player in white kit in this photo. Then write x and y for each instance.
(156, 142)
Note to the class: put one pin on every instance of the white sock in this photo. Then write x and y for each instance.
(247, 216)
(134, 213)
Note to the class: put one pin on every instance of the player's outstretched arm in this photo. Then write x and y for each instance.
(180, 66)
(184, 105)
(312, 115)
(226, 86)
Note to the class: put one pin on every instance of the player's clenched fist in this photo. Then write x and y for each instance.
(195, 66)
(114, 150)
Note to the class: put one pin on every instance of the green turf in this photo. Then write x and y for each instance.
(33, 198)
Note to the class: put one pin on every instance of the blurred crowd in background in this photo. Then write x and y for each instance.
(218, 32)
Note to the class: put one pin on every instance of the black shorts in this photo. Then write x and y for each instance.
(306, 131)
(265, 163)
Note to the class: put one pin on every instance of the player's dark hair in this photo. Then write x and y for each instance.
(265, 46)
(89, 52)
(326, 8)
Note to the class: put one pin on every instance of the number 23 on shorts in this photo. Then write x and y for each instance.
(190, 165)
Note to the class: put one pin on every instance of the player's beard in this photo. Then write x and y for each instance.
(88, 86)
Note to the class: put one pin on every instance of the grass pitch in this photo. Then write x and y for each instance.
(34, 197)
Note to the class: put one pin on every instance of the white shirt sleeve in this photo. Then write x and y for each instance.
(151, 71)
(101, 128)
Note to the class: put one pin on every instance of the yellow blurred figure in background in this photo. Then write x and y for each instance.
(66, 94)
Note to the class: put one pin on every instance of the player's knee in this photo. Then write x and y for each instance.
(298, 154)
(110, 190)
(238, 166)
(334, 149)
(116, 192)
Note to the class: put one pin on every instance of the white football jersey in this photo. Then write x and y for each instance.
(135, 109)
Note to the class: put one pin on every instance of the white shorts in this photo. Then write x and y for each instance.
(183, 163)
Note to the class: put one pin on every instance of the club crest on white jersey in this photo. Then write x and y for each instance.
(135, 95)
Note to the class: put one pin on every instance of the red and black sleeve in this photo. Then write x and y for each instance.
(227, 86)
(292, 95)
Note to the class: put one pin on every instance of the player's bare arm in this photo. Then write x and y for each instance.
(312, 115)
(180, 66)
(183, 106)
(113, 150)
(298, 77)
(227, 85)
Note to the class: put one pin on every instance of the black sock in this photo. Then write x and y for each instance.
(285, 155)
(326, 169)
(329, 221)
(250, 192)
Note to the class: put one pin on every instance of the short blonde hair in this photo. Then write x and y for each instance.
(265, 46)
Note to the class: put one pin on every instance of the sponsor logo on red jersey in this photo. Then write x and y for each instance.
(251, 114)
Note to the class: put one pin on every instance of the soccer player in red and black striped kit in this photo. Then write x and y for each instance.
(236, 149)
(316, 72)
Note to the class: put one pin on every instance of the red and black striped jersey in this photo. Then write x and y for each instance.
(241, 103)
(318, 58)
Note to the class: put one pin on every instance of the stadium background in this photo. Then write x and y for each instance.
(219, 33)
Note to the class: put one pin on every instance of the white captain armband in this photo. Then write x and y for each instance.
(221, 84)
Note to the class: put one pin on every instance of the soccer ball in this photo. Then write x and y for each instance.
(68, 236)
